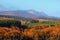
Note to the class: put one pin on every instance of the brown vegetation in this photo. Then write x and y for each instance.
(41, 32)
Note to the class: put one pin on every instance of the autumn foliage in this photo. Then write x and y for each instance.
(38, 32)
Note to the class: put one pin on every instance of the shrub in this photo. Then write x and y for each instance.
(34, 21)
(9, 23)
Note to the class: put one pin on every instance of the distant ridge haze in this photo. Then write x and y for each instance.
(24, 13)
(27, 14)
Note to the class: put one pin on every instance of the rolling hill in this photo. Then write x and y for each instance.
(28, 14)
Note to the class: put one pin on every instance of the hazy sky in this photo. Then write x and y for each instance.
(50, 7)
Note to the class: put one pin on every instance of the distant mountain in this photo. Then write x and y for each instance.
(24, 13)
(18, 13)
(39, 14)
(27, 14)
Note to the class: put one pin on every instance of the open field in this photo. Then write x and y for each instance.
(46, 30)
(29, 19)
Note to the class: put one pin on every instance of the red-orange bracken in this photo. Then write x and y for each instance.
(39, 31)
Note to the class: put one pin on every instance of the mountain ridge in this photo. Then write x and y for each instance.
(27, 14)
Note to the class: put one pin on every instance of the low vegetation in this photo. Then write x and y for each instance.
(13, 30)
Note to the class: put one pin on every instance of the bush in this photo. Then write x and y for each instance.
(34, 21)
(9, 23)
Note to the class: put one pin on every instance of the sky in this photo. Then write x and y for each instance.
(50, 7)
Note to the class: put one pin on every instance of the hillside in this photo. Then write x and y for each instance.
(27, 14)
